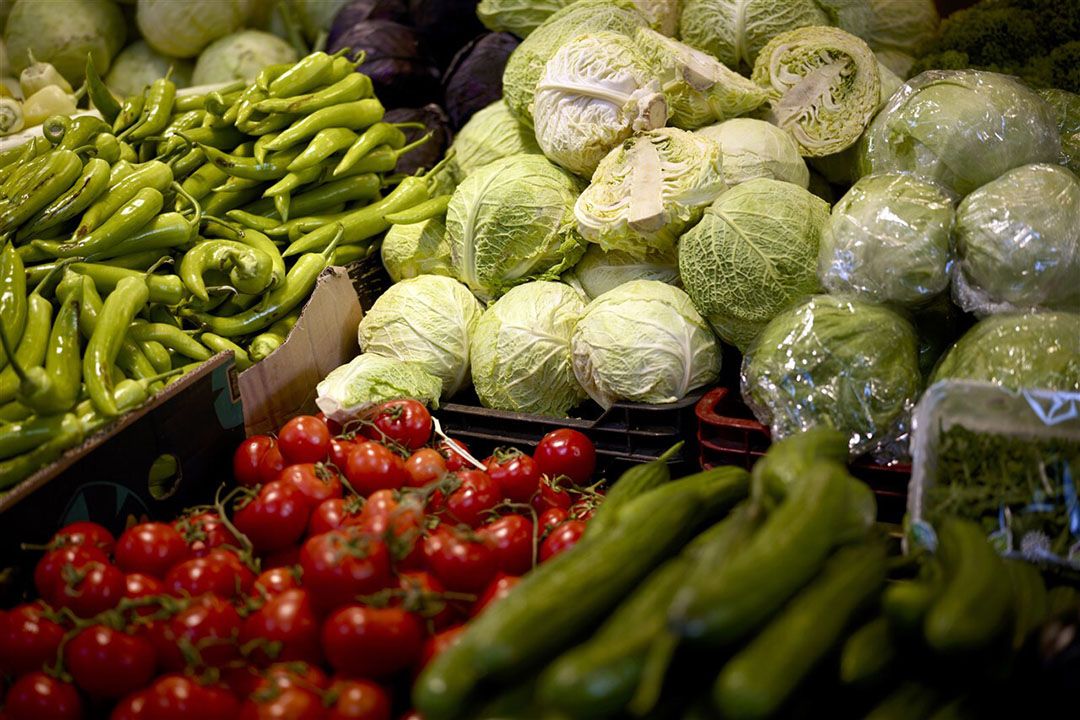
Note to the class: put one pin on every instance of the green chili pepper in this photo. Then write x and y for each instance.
(186, 164)
(29, 151)
(30, 254)
(107, 148)
(166, 231)
(298, 227)
(325, 143)
(152, 175)
(83, 130)
(200, 183)
(27, 174)
(355, 86)
(311, 72)
(259, 241)
(249, 168)
(225, 138)
(270, 73)
(171, 337)
(120, 308)
(17, 469)
(379, 134)
(53, 388)
(382, 159)
(328, 195)
(157, 354)
(435, 207)
(366, 222)
(235, 184)
(131, 358)
(90, 186)
(32, 345)
(131, 110)
(132, 217)
(299, 282)
(11, 157)
(265, 343)
(127, 153)
(166, 289)
(290, 182)
(219, 203)
(14, 411)
(354, 115)
(351, 253)
(20, 437)
(64, 169)
(250, 271)
(269, 124)
(251, 220)
(99, 94)
(12, 296)
(171, 138)
(55, 127)
(157, 110)
(219, 345)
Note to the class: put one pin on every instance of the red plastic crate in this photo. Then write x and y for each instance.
(729, 434)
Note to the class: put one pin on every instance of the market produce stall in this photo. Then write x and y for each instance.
(598, 359)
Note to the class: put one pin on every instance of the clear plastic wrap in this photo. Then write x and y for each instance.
(960, 128)
(1008, 459)
(1018, 243)
(836, 362)
(887, 240)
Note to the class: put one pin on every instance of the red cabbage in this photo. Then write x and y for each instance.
(431, 152)
(448, 24)
(474, 79)
(357, 11)
(398, 63)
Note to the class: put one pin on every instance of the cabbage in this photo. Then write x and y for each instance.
(734, 31)
(490, 135)
(823, 84)
(183, 29)
(521, 350)
(521, 17)
(316, 16)
(961, 128)
(526, 65)
(417, 249)
(430, 121)
(757, 149)
(138, 65)
(599, 271)
(887, 240)
(240, 56)
(753, 255)
(1066, 106)
(474, 79)
(596, 91)
(428, 321)
(648, 190)
(62, 32)
(357, 11)
(1018, 242)
(369, 379)
(397, 59)
(643, 342)
(1041, 350)
(834, 362)
(898, 63)
(899, 27)
(512, 221)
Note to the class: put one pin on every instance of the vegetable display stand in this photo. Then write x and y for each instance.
(171, 453)
(728, 434)
(625, 434)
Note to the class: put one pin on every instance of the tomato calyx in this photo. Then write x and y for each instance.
(505, 454)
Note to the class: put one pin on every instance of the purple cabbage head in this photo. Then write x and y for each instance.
(474, 79)
(355, 12)
(427, 155)
(398, 63)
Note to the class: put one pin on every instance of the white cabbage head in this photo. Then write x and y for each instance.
(416, 249)
(734, 31)
(599, 271)
(428, 321)
(644, 342)
(521, 350)
(596, 91)
(521, 17)
(753, 255)
(824, 87)
(903, 26)
(754, 148)
(648, 190)
(513, 221)
(369, 379)
(491, 134)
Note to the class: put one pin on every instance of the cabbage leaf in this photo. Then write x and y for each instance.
(416, 249)
(754, 148)
(369, 379)
(599, 271)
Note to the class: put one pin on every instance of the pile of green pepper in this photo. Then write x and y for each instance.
(134, 247)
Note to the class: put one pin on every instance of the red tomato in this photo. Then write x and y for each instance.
(423, 594)
(289, 557)
(561, 539)
(332, 425)
(371, 642)
(585, 508)
(277, 580)
(454, 459)
(499, 588)
(27, 640)
(52, 568)
(328, 515)
(285, 629)
(342, 564)
(288, 703)
(425, 466)
(257, 460)
(511, 536)
(150, 548)
(516, 473)
(373, 466)
(137, 585)
(553, 494)
(317, 482)
(84, 533)
(304, 439)
(374, 517)
(462, 562)
(566, 452)
(435, 644)
(274, 518)
(37, 696)
(108, 663)
(400, 524)
(300, 674)
(358, 700)
(221, 572)
(177, 697)
(551, 519)
(474, 499)
(405, 422)
(131, 707)
(203, 531)
(92, 588)
(339, 452)
(209, 624)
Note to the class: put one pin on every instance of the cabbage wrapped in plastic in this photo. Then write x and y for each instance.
(1018, 242)
(757, 149)
(644, 342)
(511, 222)
(521, 350)
(897, 28)
(734, 31)
(823, 85)
(599, 271)
(835, 362)
(369, 379)
(1017, 351)
(960, 128)
(489, 135)
(648, 190)
(526, 64)
(698, 88)
(416, 249)
(596, 91)
(427, 321)
(753, 255)
(887, 240)
(1066, 107)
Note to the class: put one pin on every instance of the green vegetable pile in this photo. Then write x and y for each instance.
(137, 246)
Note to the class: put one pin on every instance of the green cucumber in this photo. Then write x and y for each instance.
(786, 462)
(1030, 605)
(868, 654)
(763, 675)
(910, 700)
(636, 481)
(906, 602)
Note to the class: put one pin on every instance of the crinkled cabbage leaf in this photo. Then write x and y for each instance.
(416, 249)
(757, 149)
(599, 271)
(491, 134)
(521, 17)
(369, 379)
